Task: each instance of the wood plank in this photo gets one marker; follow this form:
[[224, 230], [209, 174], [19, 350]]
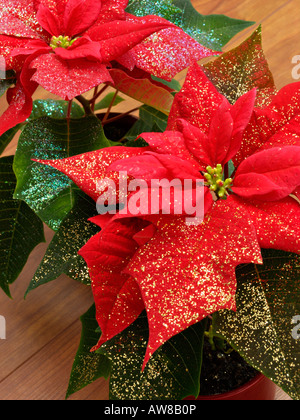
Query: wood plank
[[43, 331]]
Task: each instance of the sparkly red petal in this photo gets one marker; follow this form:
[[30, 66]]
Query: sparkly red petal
[[117, 37], [117, 296], [277, 224], [151, 165], [80, 15], [68, 79], [197, 101], [169, 143], [220, 135], [195, 141], [7, 45], [241, 113], [19, 99], [272, 121], [188, 272], [111, 10], [49, 21], [270, 175], [168, 52], [18, 18], [82, 48], [89, 168], [19, 109]]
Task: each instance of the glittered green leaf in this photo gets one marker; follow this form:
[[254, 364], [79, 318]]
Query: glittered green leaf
[[212, 31], [54, 109], [268, 299], [62, 256], [20, 229], [172, 373], [47, 191], [240, 70], [88, 366]]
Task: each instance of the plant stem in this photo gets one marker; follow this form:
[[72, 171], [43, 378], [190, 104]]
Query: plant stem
[[93, 100], [97, 94], [69, 109], [118, 117], [86, 104], [110, 107]]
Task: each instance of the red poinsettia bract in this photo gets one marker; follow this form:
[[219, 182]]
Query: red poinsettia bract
[[67, 47], [182, 273]]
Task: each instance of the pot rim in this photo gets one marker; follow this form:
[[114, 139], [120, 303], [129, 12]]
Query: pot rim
[[235, 392]]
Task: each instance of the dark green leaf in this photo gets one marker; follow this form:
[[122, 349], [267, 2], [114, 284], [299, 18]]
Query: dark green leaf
[[174, 84], [150, 120], [7, 137], [20, 229], [62, 253], [173, 372], [268, 298], [212, 31], [88, 366], [47, 191]]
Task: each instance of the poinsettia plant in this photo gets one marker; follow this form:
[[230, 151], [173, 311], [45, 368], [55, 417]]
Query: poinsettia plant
[[161, 285]]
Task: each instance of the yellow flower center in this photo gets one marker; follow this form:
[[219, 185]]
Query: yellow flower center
[[216, 183], [61, 42]]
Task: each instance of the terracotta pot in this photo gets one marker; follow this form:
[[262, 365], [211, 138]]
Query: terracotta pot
[[258, 389]]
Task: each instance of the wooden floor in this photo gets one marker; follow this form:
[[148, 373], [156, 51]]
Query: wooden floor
[[43, 331]]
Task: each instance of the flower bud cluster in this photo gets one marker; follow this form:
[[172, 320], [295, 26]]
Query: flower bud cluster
[[215, 181]]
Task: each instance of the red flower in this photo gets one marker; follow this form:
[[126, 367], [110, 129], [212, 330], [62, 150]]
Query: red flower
[[183, 273], [67, 46]]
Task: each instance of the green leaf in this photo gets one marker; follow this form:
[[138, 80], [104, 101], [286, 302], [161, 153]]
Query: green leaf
[[173, 372], [268, 298], [212, 31], [7, 137], [174, 84], [153, 116], [47, 191], [62, 256], [54, 109], [88, 366], [150, 120], [20, 229], [245, 67], [107, 100]]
